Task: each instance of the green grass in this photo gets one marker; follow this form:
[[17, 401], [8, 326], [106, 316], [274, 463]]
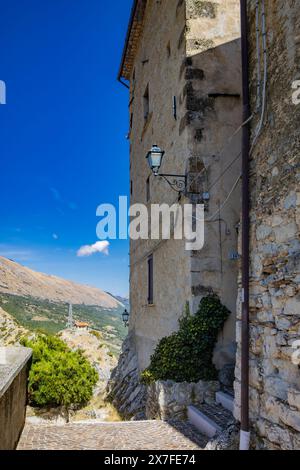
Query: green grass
[[25, 309]]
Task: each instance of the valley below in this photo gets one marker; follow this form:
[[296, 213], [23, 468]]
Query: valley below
[[41, 308]]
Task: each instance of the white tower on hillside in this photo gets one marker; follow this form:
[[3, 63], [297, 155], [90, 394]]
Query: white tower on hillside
[[70, 322]]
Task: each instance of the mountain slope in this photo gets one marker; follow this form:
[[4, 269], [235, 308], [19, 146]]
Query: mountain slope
[[10, 330], [19, 280]]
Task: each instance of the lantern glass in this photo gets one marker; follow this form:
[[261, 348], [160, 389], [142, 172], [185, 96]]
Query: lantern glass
[[154, 158], [125, 316]]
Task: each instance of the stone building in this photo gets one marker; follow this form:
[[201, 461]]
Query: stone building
[[188, 53], [182, 61], [274, 237]]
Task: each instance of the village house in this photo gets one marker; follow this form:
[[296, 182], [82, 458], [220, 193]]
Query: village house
[[182, 64], [81, 325]]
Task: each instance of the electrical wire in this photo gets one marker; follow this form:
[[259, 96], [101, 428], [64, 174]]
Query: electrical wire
[[225, 171], [211, 219], [265, 77], [258, 56], [226, 200], [261, 101], [264, 95], [220, 152]]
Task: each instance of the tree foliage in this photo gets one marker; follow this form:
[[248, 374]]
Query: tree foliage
[[58, 376], [186, 356]]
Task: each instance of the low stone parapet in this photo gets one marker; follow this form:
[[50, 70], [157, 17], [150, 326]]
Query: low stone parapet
[[14, 366], [169, 400]]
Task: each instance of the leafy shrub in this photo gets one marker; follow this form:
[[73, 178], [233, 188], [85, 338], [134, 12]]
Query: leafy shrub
[[186, 356], [58, 376]]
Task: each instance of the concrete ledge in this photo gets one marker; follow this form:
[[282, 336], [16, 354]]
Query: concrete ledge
[[202, 422], [225, 400], [14, 369], [12, 361]]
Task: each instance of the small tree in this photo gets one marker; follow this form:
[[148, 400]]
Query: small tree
[[58, 376]]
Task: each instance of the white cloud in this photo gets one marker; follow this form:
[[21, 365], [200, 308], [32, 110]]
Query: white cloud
[[55, 236], [98, 247]]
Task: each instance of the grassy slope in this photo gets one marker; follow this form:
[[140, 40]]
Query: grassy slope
[[52, 317]]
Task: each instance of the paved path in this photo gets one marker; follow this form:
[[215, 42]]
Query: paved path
[[134, 435]]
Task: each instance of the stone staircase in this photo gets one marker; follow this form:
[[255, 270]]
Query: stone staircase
[[212, 419]]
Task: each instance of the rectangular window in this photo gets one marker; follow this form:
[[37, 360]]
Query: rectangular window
[[150, 280], [146, 100], [148, 194], [169, 50]]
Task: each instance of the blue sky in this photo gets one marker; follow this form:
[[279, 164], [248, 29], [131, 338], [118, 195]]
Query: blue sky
[[63, 147]]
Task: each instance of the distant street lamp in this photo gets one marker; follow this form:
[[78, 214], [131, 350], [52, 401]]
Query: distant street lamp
[[154, 158], [125, 317]]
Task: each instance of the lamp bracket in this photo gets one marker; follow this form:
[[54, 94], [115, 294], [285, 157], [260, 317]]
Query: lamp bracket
[[177, 182]]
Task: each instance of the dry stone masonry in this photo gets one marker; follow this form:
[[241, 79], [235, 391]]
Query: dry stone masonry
[[124, 389], [275, 244], [169, 400]]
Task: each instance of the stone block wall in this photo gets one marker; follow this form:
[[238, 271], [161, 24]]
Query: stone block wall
[[212, 95], [275, 244], [169, 400]]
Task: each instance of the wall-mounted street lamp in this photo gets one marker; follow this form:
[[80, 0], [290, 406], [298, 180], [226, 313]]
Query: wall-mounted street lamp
[[125, 317], [177, 182]]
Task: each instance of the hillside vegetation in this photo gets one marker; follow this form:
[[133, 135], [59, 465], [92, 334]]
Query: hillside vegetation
[[51, 317], [71, 366], [58, 375]]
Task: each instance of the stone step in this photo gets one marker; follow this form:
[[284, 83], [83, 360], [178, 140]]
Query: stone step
[[226, 400], [209, 419]]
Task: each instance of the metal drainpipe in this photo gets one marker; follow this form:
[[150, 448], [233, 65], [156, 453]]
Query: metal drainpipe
[[245, 425]]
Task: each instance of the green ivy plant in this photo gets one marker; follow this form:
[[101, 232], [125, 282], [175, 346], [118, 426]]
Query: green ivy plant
[[58, 375], [186, 356]]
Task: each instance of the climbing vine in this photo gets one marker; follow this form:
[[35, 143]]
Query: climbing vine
[[186, 356]]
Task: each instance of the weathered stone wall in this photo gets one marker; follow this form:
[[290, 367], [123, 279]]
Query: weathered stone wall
[[275, 228], [158, 62], [169, 400], [213, 115], [188, 51], [207, 89], [124, 389], [13, 395]]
